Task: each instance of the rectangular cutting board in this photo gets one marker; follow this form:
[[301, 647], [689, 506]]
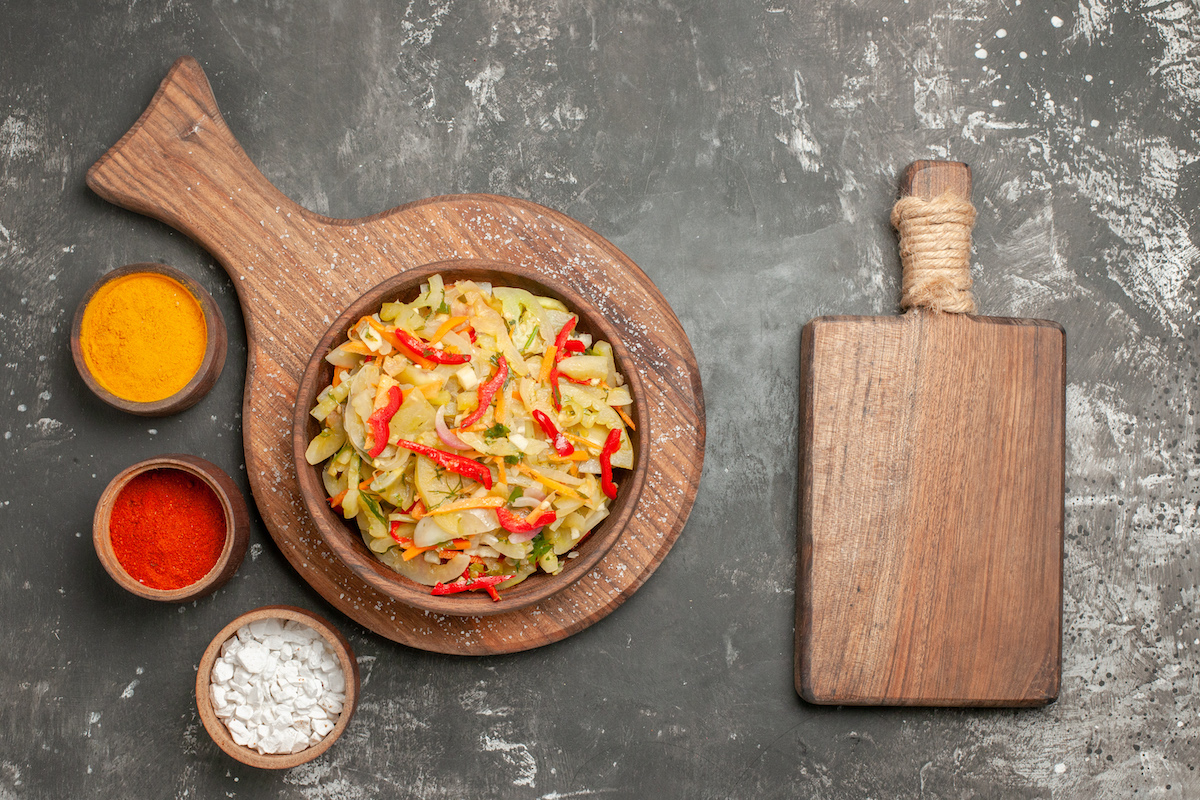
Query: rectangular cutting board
[[931, 510]]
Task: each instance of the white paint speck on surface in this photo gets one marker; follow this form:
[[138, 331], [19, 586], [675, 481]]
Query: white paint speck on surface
[[1056, 21]]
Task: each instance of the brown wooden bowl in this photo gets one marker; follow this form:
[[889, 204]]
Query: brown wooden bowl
[[237, 527], [206, 375], [346, 542], [217, 730]]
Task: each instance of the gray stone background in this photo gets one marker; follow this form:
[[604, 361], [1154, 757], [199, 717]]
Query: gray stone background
[[745, 155]]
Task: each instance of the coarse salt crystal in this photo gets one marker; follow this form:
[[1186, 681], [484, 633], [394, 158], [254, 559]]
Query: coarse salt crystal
[[277, 687]]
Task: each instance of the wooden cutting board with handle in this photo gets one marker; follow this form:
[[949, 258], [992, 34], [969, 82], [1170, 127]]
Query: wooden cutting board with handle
[[295, 271], [931, 486]]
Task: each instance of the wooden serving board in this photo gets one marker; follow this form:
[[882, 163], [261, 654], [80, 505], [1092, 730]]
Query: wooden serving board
[[931, 510], [295, 271]]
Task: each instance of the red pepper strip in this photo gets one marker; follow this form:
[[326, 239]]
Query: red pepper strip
[[380, 418], [561, 445], [611, 445], [560, 351], [514, 524], [426, 350], [574, 346], [471, 333], [560, 341], [483, 582], [487, 392], [403, 541], [467, 467]]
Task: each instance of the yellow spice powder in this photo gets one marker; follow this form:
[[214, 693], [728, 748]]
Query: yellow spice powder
[[143, 336]]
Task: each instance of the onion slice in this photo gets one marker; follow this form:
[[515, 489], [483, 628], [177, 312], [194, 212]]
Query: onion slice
[[517, 538], [444, 433]]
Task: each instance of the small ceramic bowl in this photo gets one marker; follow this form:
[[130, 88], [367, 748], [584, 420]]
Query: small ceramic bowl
[[216, 728], [237, 527], [346, 542], [200, 383]]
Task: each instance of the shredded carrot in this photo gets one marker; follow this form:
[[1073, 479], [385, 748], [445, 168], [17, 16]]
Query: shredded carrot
[[549, 483], [412, 552], [338, 372], [336, 500], [365, 485], [468, 502], [578, 455], [357, 347], [625, 417], [446, 327], [547, 365], [585, 442], [417, 511], [431, 389], [499, 406]]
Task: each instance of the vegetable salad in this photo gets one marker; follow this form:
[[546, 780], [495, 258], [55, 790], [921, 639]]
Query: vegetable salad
[[472, 435]]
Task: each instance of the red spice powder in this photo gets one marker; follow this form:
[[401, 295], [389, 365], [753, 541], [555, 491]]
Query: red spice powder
[[167, 528]]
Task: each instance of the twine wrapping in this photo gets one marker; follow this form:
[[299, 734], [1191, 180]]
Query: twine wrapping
[[935, 249]]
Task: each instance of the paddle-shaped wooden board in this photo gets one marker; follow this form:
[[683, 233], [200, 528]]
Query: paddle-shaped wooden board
[[295, 271], [931, 505]]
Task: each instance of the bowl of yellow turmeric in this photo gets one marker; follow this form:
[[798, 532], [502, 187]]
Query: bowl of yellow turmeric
[[149, 340]]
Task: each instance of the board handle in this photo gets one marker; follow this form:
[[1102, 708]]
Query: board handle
[[181, 164], [934, 217]]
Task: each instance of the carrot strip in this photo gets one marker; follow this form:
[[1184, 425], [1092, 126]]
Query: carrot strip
[[547, 365], [499, 406], [549, 483], [468, 502], [412, 552], [625, 417], [446, 327]]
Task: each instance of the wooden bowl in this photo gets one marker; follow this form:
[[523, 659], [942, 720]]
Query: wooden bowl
[[346, 542], [206, 375], [237, 527], [217, 730]]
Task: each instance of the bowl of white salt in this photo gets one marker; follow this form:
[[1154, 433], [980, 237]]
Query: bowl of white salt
[[277, 687]]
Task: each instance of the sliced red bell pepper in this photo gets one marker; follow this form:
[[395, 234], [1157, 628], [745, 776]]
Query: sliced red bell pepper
[[560, 341], [561, 445], [484, 582], [380, 418], [467, 467], [560, 351], [611, 445], [515, 524], [428, 351], [487, 392], [574, 346]]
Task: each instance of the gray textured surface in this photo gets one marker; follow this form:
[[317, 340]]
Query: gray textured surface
[[745, 156]]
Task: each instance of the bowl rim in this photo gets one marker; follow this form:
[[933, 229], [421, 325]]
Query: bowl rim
[[206, 375], [346, 543], [237, 527], [216, 728]]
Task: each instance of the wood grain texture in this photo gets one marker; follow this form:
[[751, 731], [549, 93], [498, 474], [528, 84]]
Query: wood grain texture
[[929, 179], [295, 271], [931, 510], [932, 464]]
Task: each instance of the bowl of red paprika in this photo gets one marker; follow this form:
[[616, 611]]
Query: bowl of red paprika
[[172, 528]]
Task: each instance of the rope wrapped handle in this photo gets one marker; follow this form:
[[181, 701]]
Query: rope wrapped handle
[[934, 218]]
